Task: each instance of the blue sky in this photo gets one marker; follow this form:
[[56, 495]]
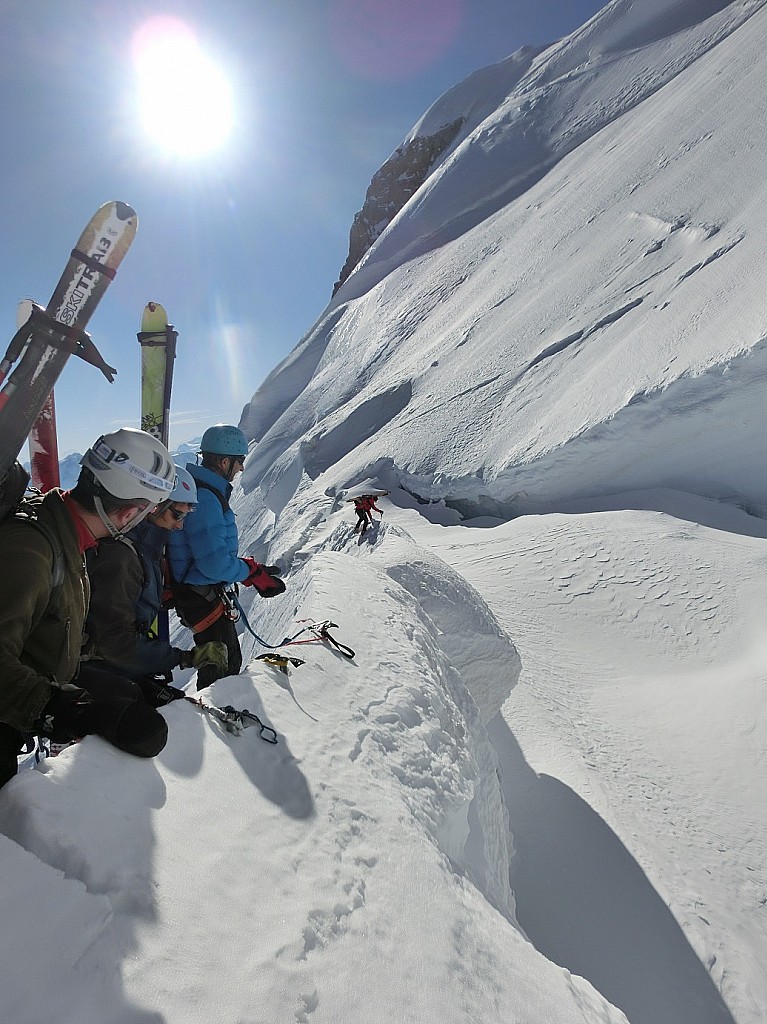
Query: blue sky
[[242, 246]]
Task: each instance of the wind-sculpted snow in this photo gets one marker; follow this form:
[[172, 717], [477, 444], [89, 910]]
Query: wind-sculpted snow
[[295, 372], [621, 57], [505, 337], [643, 649], [235, 880]]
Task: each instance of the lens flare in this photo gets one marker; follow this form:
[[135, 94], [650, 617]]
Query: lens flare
[[393, 39]]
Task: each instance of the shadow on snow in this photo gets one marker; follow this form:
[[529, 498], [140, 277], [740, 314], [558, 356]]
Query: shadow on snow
[[585, 903]]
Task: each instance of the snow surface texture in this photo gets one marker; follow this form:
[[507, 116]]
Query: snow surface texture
[[537, 793], [579, 285]]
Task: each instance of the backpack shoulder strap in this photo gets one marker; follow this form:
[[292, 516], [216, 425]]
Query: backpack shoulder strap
[[13, 503], [128, 543], [26, 512], [58, 554], [209, 487]]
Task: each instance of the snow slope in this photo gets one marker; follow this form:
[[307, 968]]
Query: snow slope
[[641, 703], [232, 880], [541, 317], [537, 791]]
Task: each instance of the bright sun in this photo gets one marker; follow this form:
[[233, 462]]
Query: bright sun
[[185, 100]]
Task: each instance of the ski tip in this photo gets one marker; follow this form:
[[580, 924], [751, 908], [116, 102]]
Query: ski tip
[[123, 211], [24, 311], [154, 318]]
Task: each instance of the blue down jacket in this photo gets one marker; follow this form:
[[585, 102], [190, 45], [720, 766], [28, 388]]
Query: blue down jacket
[[205, 551]]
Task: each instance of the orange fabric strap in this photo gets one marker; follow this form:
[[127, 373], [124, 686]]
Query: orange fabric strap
[[209, 619]]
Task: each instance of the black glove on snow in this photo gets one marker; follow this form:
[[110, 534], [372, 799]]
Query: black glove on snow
[[62, 717], [157, 693], [131, 725]]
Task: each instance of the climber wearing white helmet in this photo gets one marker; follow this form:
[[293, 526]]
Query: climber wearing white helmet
[[129, 469], [44, 593], [127, 577]]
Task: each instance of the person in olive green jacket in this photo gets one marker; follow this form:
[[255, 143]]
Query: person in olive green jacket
[[44, 594]]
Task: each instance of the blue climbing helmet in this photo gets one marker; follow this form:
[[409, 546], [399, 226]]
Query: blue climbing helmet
[[224, 439], [185, 489]]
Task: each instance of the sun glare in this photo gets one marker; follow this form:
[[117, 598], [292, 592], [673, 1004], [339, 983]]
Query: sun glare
[[185, 101]]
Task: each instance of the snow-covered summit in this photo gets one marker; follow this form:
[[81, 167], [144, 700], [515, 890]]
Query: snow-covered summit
[[442, 128]]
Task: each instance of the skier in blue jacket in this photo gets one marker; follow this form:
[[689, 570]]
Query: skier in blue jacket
[[203, 557]]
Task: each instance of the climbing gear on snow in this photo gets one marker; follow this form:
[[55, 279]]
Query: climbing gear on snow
[[235, 721], [321, 634], [279, 661], [319, 630]]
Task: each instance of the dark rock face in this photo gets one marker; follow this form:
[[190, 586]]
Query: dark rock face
[[399, 178]]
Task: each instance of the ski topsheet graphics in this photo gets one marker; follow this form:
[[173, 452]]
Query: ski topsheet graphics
[[42, 346], [158, 351], [44, 448], [43, 443]]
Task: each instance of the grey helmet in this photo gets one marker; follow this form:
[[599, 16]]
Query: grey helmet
[[131, 464], [185, 489]]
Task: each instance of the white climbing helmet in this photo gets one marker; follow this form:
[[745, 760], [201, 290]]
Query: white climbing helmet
[[131, 464], [185, 489]]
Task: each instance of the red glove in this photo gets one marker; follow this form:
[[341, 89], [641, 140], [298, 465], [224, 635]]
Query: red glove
[[263, 578]]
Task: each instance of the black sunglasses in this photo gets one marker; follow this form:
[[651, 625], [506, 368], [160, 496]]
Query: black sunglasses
[[177, 514]]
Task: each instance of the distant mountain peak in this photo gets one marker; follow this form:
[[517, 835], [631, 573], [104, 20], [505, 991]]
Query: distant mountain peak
[[446, 122]]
